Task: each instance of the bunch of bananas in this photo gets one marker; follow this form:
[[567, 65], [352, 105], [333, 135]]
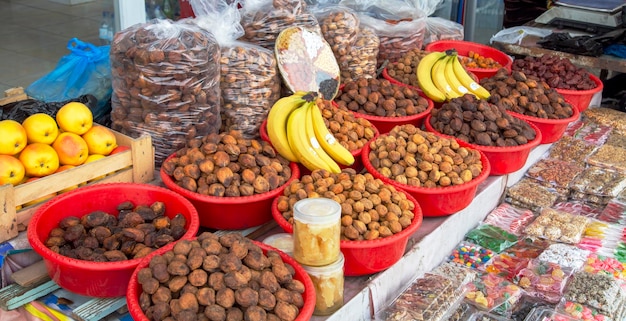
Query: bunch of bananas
[[441, 77], [297, 131]]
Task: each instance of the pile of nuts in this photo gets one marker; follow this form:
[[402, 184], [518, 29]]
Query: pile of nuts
[[133, 233], [404, 69], [219, 278], [379, 97], [416, 158], [474, 60], [251, 70], [557, 72], [361, 59], [479, 122], [370, 209], [517, 93], [262, 23], [350, 131], [166, 84], [227, 164]]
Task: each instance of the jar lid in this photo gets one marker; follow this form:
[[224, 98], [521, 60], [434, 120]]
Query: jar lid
[[281, 241], [317, 211], [325, 269]]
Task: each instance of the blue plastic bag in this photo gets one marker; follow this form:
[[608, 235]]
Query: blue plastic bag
[[86, 70]]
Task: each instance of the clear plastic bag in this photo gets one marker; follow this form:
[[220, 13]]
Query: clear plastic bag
[[597, 185], [544, 280], [528, 193], [86, 70], [458, 273], [491, 237], [263, 20], [165, 83], [339, 27], [249, 79], [442, 29], [608, 117], [578, 208], [617, 140], [506, 265], [470, 255], [571, 150], [397, 37], [558, 226], [510, 218], [494, 294], [361, 59], [554, 172], [599, 291], [565, 255], [608, 156]]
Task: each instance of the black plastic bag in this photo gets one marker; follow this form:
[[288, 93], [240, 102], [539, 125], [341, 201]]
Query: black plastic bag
[[20, 110], [580, 45]]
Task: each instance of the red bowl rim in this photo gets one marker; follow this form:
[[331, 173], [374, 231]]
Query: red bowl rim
[[395, 81], [382, 119], [433, 190], [477, 45], [492, 149], [346, 244], [228, 200], [599, 87], [132, 292], [356, 152], [47, 254], [548, 121]]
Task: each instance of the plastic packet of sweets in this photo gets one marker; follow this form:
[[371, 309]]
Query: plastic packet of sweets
[[510, 218], [491, 237]]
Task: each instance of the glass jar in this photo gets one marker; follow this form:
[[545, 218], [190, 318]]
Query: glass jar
[[328, 284], [316, 231]]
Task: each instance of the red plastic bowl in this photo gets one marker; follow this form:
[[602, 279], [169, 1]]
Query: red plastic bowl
[[394, 81], [503, 160], [367, 257], [438, 201], [464, 47], [134, 288], [551, 129], [99, 279], [581, 98], [231, 213], [357, 166], [386, 124]]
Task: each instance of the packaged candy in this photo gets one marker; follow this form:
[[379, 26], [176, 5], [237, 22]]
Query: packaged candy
[[573, 127], [567, 256], [470, 255], [597, 185], [506, 265], [557, 226], [547, 314], [578, 208], [599, 291], [494, 294], [529, 247], [554, 172], [581, 312], [483, 316], [571, 150], [544, 280], [601, 237], [510, 218], [527, 304], [491, 237], [528, 193], [461, 313], [614, 212], [593, 133], [620, 252], [599, 264], [461, 274], [608, 117], [427, 298], [609, 156]]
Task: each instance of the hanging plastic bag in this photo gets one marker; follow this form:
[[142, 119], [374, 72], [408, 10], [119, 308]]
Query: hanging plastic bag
[[399, 24], [263, 20], [442, 29], [249, 78], [361, 59], [515, 35], [85, 70], [166, 83]]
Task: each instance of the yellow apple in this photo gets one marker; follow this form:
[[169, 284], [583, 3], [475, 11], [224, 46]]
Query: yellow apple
[[71, 148], [93, 158], [11, 170], [12, 137], [39, 159], [41, 128], [75, 118], [64, 168], [100, 140]]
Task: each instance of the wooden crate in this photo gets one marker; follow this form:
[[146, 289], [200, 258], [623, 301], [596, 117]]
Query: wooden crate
[[133, 165]]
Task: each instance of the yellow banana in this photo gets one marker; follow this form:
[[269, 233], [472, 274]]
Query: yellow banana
[[339, 153], [467, 80], [277, 123], [424, 76], [298, 142], [332, 166], [439, 79], [454, 82]]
